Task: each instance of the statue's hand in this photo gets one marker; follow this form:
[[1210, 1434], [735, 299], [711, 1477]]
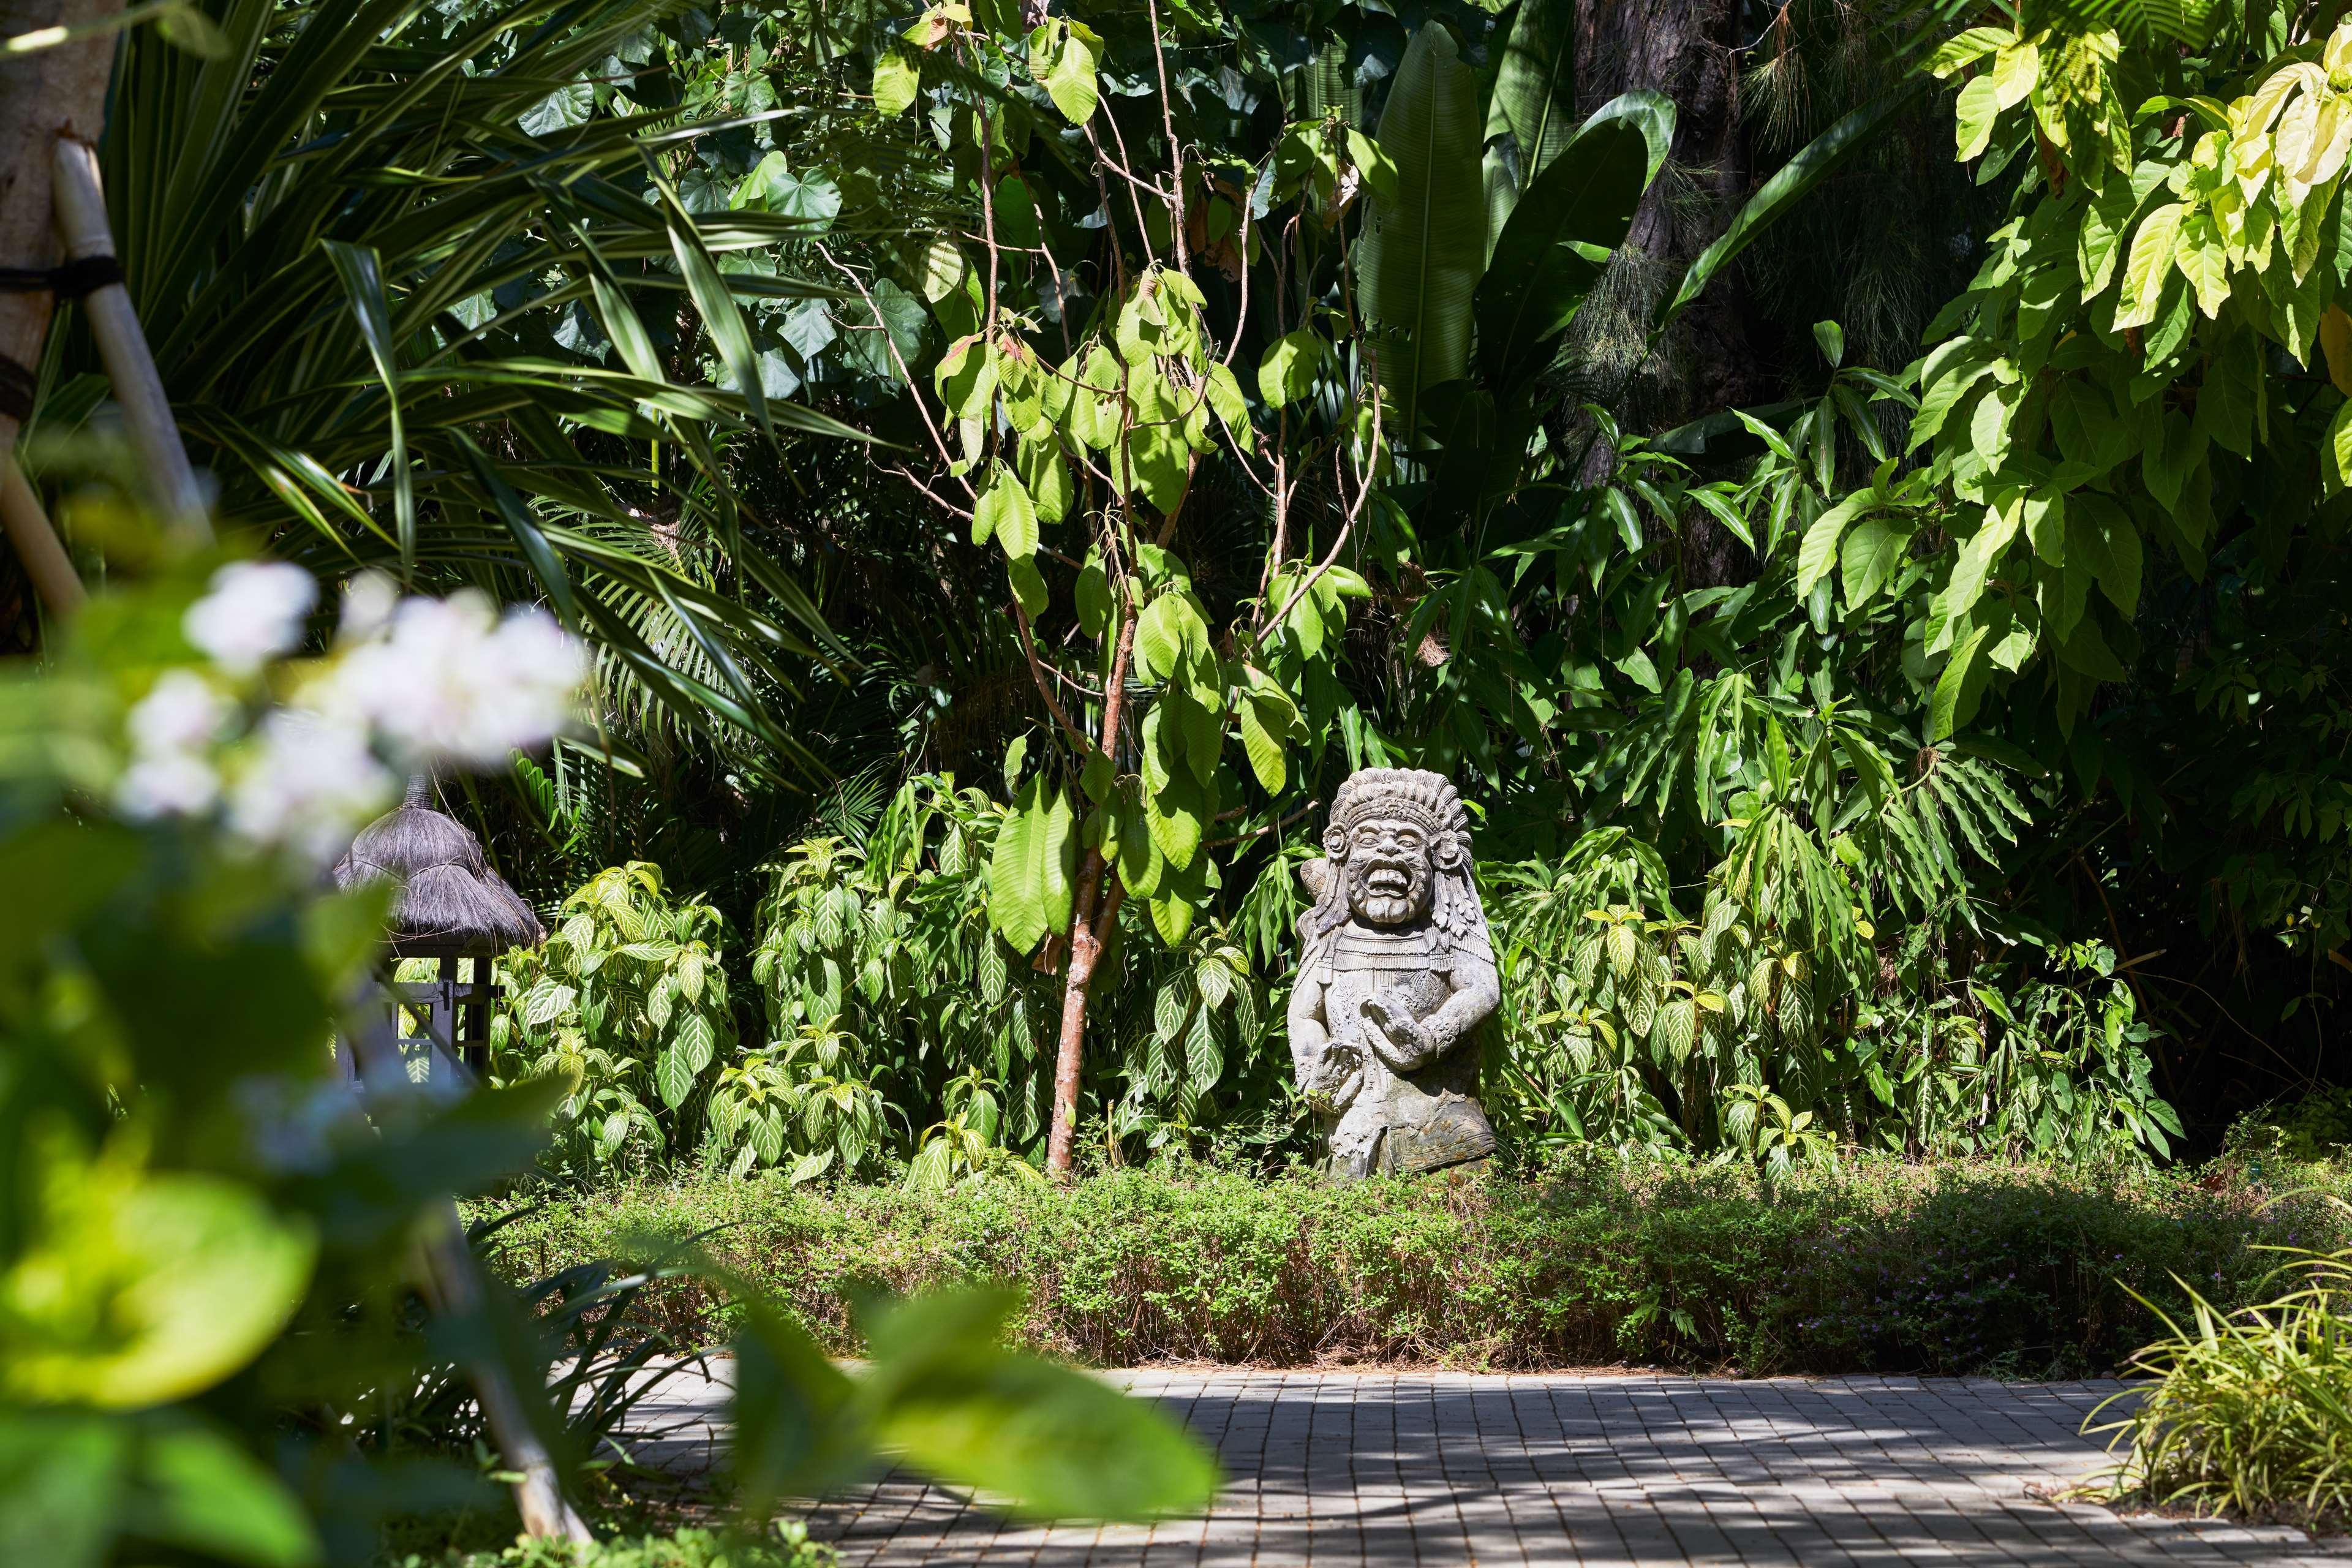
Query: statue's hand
[[1331, 1082], [1409, 1043]]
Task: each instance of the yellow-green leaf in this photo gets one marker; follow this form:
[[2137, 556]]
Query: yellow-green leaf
[[2198, 255], [147, 1288], [2015, 69], [1869, 557], [1959, 688], [1287, 371], [1006, 514], [1262, 740], [1062, 57], [1032, 868], [2336, 343], [1226, 398], [1819, 552], [2149, 263], [2339, 445], [1973, 565], [1967, 49], [1978, 109], [896, 81]]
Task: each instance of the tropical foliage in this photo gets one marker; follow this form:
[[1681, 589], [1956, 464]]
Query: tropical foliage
[[1009, 468], [627, 1006]]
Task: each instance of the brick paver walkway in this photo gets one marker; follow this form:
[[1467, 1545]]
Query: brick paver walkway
[[1430, 1469]]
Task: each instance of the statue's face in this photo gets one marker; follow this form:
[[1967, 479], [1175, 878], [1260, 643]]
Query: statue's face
[[1388, 871]]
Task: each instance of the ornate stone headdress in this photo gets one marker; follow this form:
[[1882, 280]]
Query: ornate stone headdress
[[1429, 801], [1419, 796]]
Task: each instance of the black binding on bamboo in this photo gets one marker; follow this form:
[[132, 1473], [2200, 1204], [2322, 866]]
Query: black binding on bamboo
[[68, 279]]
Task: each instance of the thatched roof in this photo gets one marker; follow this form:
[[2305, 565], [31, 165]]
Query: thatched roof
[[449, 899]]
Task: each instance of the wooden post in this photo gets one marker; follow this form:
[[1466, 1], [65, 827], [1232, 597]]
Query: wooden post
[[27, 528]]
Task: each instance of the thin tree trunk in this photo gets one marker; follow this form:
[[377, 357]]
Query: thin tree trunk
[[47, 93], [1092, 912]]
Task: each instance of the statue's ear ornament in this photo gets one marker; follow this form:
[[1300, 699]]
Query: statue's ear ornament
[[1316, 876], [1335, 841]]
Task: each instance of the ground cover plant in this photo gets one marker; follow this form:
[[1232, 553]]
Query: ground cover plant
[[1960, 1269], [2249, 1409], [690, 1547]]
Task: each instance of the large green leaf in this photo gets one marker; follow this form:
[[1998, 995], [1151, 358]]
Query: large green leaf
[[73, 1480], [147, 1289], [1788, 185], [1420, 255], [1053, 1441], [1035, 864], [361, 272], [1551, 252], [1535, 86]]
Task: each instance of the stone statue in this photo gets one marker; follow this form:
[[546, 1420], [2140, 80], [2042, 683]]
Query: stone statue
[[1395, 975]]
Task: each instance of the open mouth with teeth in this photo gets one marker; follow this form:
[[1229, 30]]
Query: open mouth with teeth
[[1386, 883]]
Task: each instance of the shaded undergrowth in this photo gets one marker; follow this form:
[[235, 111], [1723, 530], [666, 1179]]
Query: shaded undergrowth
[[2030, 1271]]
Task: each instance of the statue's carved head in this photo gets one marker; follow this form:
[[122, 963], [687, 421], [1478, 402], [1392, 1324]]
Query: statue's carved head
[[1397, 840]]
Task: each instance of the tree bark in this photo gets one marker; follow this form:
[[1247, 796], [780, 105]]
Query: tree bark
[[1688, 50], [1092, 912], [47, 93]]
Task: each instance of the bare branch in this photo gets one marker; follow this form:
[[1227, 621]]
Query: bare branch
[[907, 474], [914, 390], [1175, 148], [1037, 673], [1263, 831]]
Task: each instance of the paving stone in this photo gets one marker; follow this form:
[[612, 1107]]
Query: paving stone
[[1601, 1470]]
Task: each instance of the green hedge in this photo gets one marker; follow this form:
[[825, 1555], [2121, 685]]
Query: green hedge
[[1881, 1267]]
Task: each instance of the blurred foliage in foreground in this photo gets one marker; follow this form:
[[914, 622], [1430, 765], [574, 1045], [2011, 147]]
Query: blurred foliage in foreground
[[213, 1342]]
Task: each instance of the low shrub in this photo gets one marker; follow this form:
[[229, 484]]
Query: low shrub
[[1880, 1266]]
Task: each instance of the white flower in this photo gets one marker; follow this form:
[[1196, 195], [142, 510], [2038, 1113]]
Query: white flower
[[253, 613], [171, 730], [542, 668], [312, 784], [369, 601], [176, 784], [450, 682], [181, 712]]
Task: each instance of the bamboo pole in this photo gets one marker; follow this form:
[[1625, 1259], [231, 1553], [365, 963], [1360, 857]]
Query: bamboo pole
[[45, 559], [114, 323]]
